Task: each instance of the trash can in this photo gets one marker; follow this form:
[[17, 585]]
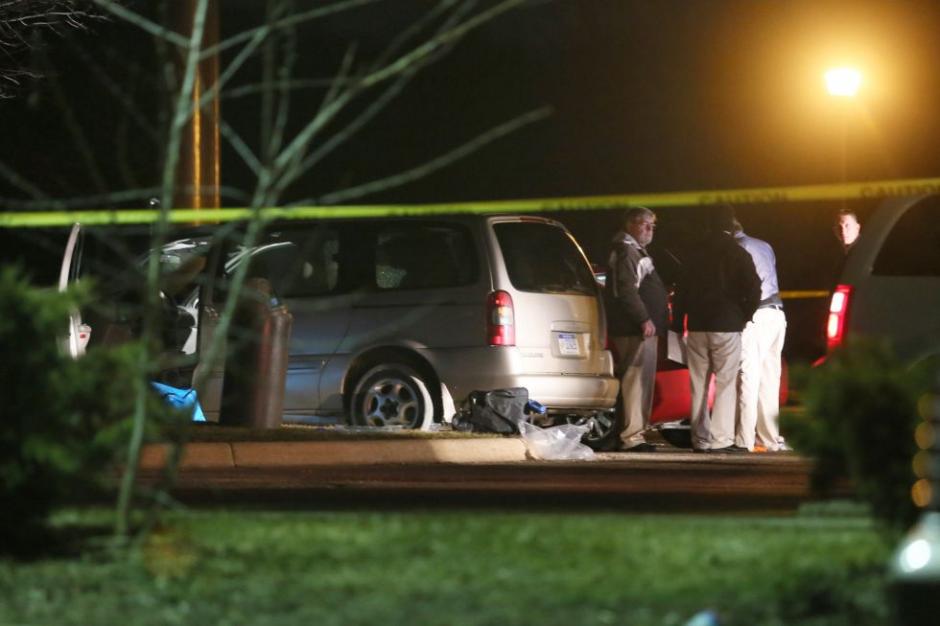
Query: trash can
[[256, 359]]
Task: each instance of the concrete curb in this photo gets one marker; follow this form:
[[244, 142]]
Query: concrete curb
[[202, 455]]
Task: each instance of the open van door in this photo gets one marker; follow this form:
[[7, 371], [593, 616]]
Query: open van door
[[78, 332]]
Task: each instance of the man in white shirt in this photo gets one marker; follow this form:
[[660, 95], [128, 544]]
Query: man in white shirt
[[761, 348]]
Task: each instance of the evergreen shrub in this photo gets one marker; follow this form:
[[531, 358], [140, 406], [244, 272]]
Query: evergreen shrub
[[858, 422]]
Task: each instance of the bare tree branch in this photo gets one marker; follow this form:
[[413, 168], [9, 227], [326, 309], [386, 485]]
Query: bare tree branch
[[286, 85], [343, 135], [434, 164], [239, 145], [150, 323], [415, 29], [138, 20], [269, 92], [21, 183], [20, 20], [401, 65], [118, 92], [394, 89], [138, 195], [284, 70], [435, 43], [286, 22], [283, 176], [76, 130]]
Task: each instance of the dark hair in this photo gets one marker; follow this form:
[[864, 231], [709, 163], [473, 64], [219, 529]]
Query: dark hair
[[847, 212], [721, 218]]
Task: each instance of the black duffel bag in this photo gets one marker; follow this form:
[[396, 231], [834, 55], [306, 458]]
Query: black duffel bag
[[494, 411]]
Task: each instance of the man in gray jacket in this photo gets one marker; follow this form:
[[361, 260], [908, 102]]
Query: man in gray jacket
[[636, 303]]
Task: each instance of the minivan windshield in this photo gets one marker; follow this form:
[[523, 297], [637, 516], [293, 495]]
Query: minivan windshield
[[543, 258]]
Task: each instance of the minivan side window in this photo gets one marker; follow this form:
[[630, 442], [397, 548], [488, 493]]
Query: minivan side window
[[411, 255], [913, 245], [544, 258]]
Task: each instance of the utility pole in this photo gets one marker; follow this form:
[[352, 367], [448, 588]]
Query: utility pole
[[197, 172]]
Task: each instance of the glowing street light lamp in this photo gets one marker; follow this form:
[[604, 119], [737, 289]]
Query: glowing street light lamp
[[843, 82]]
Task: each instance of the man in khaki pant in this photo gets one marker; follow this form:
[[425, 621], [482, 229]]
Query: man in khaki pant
[[761, 348], [719, 291], [636, 303]]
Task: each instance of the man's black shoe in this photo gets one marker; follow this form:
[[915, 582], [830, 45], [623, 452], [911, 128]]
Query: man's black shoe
[[640, 447], [730, 450]]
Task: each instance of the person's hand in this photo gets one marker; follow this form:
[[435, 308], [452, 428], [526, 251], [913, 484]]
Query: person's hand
[[649, 329]]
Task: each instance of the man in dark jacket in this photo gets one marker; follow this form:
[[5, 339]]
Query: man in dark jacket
[[636, 314], [719, 292]]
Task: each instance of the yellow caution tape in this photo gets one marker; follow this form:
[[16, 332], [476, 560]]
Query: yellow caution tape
[[796, 295], [757, 195]]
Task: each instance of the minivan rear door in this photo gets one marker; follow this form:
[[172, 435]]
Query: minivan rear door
[[559, 320]]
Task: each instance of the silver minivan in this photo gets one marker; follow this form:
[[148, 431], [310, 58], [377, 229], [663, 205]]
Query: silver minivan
[[890, 286], [397, 320]]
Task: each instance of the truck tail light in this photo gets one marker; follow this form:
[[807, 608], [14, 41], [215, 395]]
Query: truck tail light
[[838, 316], [500, 319]]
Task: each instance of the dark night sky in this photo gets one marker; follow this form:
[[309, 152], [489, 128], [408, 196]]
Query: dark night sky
[[662, 96], [691, 94], [647, 96], [674, 95], [657, 95]]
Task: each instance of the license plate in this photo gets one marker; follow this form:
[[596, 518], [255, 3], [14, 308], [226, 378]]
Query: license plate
[[568, 344]]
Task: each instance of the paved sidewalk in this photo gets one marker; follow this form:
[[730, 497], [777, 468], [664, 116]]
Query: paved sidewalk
[[258, 454], [408, 451]]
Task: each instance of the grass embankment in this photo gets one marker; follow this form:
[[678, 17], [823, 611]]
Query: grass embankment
[[460, 568]]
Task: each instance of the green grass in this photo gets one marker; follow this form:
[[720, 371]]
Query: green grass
[[462, 567]]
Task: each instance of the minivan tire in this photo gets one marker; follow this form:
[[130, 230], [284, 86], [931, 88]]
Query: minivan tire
[[392, 394]]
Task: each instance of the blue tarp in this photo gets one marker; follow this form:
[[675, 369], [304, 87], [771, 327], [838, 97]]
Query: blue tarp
[[181, 399]]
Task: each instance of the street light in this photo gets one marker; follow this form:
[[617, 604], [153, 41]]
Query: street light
[[843, 82]]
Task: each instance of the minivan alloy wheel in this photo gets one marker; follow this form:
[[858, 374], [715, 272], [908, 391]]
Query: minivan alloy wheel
[[392, 395]]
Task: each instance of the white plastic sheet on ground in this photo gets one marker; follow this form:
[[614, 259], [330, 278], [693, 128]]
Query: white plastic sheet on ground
[[557, 443]]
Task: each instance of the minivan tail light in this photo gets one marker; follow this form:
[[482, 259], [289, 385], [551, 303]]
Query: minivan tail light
[[500, 319], [838, 316]]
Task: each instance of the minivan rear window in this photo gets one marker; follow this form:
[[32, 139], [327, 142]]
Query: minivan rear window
[[544, 258]]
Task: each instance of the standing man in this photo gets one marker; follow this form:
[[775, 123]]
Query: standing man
[[636, 303], [761, 348], [847, 228], [719, 292]]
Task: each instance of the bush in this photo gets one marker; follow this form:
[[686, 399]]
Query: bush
[[64, 422], [859, 421]]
